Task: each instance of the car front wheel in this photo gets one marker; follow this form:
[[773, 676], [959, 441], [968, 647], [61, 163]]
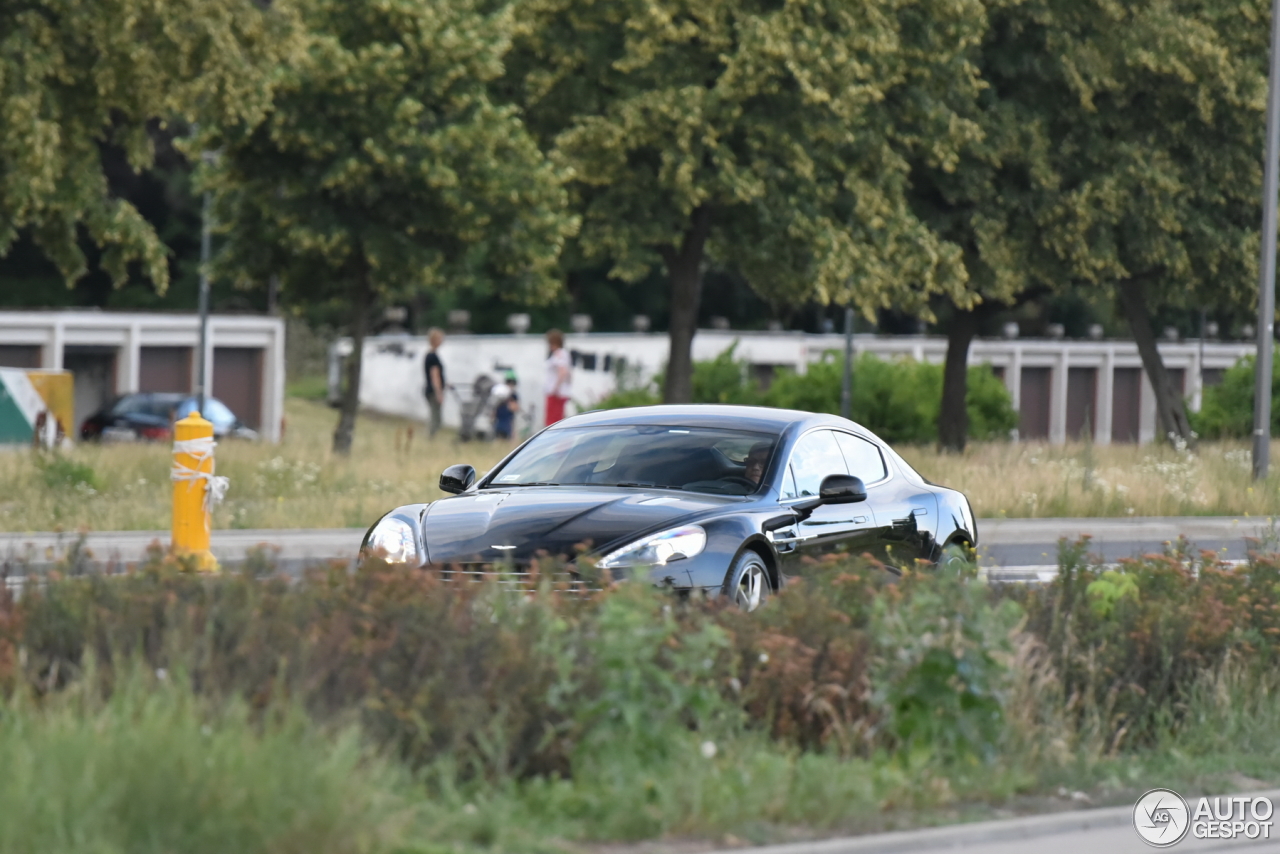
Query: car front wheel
[[749, 581]]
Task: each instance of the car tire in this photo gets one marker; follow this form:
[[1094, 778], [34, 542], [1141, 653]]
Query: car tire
[[749, 581], [955, 556]]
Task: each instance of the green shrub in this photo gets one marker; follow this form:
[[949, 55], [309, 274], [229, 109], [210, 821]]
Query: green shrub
[[1129, 644], [154, 769], [723, 379], [61, 472], [1226, 410], [897, 399], [589, 700], [497, 685]]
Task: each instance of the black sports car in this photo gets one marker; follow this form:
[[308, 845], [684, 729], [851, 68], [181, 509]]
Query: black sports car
[[723, 499]]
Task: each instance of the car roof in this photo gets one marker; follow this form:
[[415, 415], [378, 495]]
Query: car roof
[[153, 395], [762, 419]]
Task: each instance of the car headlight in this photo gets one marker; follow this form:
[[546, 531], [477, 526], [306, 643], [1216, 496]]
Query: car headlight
[[391, 540], [658, 549]]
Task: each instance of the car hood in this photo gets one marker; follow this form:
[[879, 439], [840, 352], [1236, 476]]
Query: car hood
[[554, 520]]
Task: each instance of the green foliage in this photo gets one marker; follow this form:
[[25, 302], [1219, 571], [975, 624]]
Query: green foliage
[[945, 690], [1226, 409], [551, 684], [59, 472], [1130, 643], [77, 76], [1109, 589], [1100, 104], [743, 110], [897, 399], [724, 379], [314, 387], [154, 768], [383, 165], [620, 714]]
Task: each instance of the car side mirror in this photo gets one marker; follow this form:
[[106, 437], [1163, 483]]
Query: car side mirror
[[835, 489], [457, 478], [842, 489]]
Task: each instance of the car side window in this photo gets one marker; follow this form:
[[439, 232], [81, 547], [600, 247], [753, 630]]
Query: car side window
[[864, 458], [788, 483], [816, 455]]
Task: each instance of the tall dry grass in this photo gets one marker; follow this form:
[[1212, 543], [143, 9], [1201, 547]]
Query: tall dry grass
[[298, 483], [301, 484], [1038, 480]]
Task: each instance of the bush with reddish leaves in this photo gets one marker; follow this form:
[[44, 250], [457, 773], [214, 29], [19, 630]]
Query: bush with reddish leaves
[[932, 668], [1129, 644]]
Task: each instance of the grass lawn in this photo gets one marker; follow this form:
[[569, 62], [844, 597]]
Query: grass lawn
[[298, 483], [301, 484]]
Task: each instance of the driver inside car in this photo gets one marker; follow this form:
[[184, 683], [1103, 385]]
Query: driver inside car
[[753, 465]]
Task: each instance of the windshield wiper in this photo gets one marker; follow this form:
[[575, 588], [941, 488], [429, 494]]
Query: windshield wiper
[[651, 485], [529, 483]]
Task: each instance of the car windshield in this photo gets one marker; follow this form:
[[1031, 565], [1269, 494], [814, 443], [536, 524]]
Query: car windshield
[[711, 460], [157, 405]]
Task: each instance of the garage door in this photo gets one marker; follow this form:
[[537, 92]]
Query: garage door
[[1033, 417], [1126, 403], [237, 382], [19, 356], [1082, 389], [165, 369]]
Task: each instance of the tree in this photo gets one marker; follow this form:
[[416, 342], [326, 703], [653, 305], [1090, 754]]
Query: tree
[[1153, 112], [383, 168], [79, 76], [766, 137], [986, 205]]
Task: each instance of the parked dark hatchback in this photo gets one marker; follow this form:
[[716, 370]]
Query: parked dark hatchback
[[150, 416], [726, 499]]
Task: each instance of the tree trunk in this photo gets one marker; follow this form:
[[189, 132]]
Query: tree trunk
[[1171, 411], [953, 417], [684, 266], [362, 297]]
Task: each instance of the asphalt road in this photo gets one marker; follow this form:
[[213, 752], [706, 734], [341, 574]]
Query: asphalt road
[[1029, 542], [1093, 831], [1020, 545]]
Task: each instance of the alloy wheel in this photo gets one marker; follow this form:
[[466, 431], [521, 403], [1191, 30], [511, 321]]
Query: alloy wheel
[[753, 585]]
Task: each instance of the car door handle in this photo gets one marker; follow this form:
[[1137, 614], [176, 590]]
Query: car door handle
[[856, 520], [920, 511]]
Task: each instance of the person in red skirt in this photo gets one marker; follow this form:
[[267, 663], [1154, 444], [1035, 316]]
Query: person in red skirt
[[558, 383]]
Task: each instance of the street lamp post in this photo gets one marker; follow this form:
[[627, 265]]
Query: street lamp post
[[205, 235], [1267, 283], [846, 385]]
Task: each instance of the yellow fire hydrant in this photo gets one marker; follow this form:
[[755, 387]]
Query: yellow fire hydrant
[[196, 489]]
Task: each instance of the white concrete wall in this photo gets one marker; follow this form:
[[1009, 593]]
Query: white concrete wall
[[392, 378], [128, 332]]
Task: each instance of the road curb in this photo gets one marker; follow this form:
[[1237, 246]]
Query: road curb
[[961, 836], [1101, 529]]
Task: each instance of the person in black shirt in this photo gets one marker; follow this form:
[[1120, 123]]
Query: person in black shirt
[[434, 388]]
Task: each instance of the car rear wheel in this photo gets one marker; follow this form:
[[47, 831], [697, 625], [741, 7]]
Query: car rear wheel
[[749, 581]]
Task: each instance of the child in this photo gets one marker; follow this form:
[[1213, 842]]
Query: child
[[504, 416]]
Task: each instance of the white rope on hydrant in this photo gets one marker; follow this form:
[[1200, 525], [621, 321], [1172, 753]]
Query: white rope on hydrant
[[201, 449]]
